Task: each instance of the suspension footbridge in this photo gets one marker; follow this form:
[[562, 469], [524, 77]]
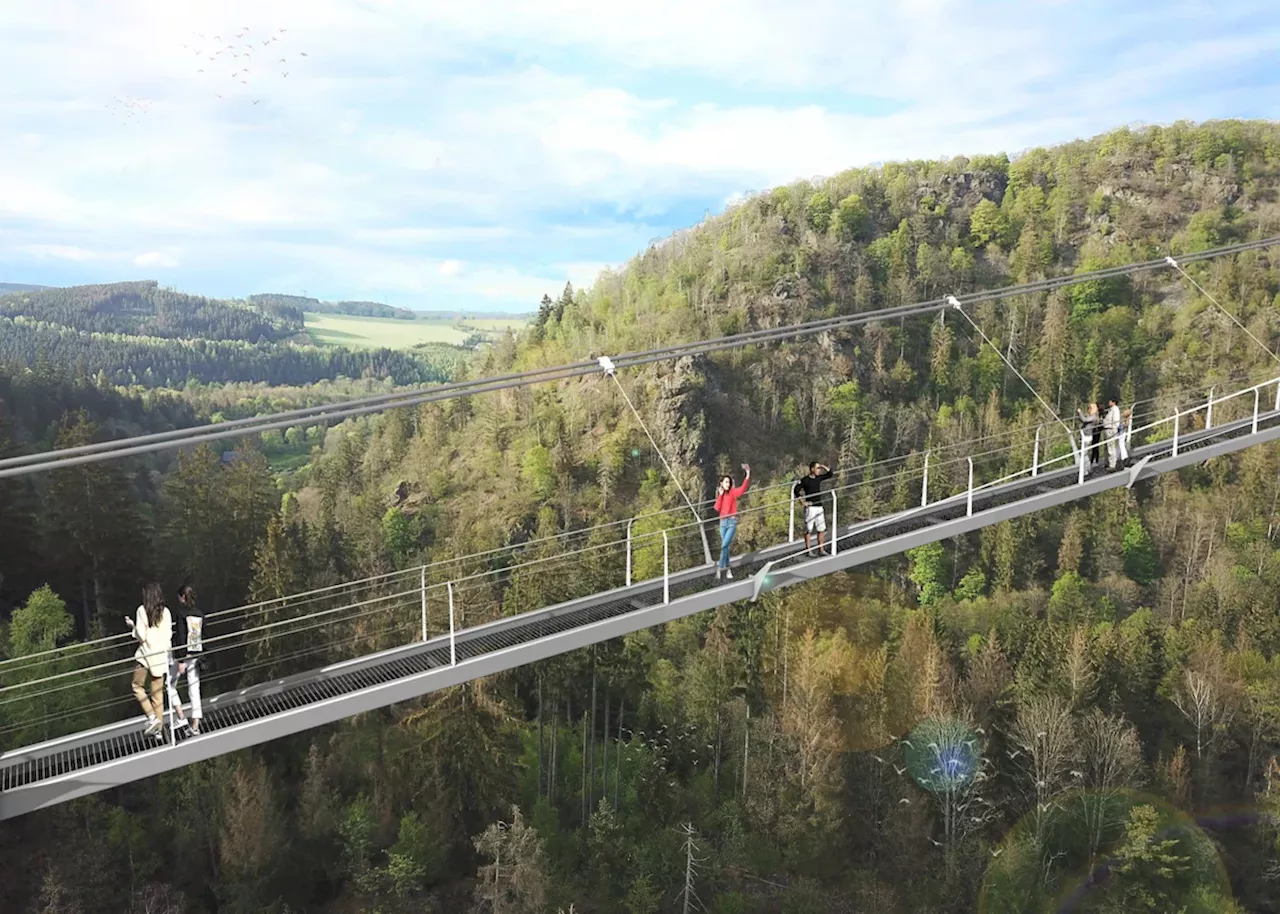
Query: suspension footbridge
[[327, 654]]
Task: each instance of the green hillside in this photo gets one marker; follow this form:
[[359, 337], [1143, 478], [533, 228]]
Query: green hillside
[[1091, 617], [1107, 673]]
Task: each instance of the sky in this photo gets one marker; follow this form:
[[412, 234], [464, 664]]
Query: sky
[[476, 154]]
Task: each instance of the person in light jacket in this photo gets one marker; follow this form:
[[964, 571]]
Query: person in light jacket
[[153, 628], [1126, 429], [190, 650], [1089, 442], [1111, 433]]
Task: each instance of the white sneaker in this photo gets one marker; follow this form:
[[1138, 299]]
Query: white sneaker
[[728, 574], [154, 727]]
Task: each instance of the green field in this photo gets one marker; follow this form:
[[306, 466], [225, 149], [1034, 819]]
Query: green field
[[379, 332]]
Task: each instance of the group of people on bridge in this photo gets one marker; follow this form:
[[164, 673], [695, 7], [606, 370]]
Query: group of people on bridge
[[164, 660], [1113, 430], [807, 489]]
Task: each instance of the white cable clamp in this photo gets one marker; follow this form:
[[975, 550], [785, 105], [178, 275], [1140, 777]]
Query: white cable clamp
[[607, 364], [953, 302], [1171, 262]]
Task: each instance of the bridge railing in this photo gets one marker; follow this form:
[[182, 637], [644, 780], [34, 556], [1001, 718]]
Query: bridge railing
[[68, 689]]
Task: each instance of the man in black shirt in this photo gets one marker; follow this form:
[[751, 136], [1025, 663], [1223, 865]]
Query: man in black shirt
[[809, 488]]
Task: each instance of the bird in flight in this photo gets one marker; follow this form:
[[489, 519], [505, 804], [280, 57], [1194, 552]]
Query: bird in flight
[[256, 100], [199, 71], [284, 74], [303, 53], [282, 60]]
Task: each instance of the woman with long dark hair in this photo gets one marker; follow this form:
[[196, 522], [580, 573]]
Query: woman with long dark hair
[[153, 628], [727, 496]]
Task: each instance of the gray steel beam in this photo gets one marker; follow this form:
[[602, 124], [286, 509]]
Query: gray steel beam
[[58, 789]]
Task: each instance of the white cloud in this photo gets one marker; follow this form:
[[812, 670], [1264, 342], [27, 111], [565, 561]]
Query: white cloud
[[582, 275], [58, 252], [397, 143], [155, 259]]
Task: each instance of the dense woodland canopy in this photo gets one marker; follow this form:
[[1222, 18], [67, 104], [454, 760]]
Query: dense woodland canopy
[[145, 309], [315, 305], [136, 333], [1107, 671]]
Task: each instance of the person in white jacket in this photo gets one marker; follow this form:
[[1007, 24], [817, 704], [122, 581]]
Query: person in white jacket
[[1111, 432], [153, 628], [191, 648]]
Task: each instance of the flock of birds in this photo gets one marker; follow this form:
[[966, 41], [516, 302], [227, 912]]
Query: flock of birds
[[244, 52], [128, 108], [212, 54]]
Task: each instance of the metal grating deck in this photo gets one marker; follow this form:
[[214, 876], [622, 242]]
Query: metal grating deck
[[82, 755]]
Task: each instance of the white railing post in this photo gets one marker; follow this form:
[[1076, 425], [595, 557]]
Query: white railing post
[[835, 523], [924, 489], [791, 526], [629, 551], [1257, 395], [1208, 414], [453, 650], [1084, 456], [1035, 455], [666, 571], [424, 602], [969, 507], [1177, 421], [1278, 395]]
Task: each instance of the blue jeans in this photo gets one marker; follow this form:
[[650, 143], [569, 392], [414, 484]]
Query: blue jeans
[[728, 527]]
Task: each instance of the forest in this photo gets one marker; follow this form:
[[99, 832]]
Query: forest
[[358, 308], [1107, 672], [137, 333], [145, 309]]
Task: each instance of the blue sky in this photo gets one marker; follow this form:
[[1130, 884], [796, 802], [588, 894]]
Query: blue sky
[[478, 154]]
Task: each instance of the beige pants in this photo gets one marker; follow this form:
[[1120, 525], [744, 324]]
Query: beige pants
[[152, 706]]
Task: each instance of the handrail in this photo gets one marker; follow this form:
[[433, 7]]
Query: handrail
[[419, 593]]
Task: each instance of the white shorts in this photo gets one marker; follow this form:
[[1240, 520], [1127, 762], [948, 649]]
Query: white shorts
[[815, 520]]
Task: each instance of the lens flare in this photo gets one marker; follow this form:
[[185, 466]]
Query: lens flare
[[942, 754]]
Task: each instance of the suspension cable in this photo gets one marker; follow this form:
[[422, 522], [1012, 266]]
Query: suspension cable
[[1070, 434], [1173, 263], [126, 447], [607, 365]]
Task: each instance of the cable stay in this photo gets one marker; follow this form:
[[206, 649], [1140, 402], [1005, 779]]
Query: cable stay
[[954, 302], [1173, 263], [606, 364]]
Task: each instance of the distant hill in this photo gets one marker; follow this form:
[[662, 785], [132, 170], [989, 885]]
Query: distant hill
[[144, 308], [316, 306], [20, 287], [378, 309]]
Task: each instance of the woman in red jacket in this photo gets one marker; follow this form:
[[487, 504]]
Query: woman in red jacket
[[727, 507]]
